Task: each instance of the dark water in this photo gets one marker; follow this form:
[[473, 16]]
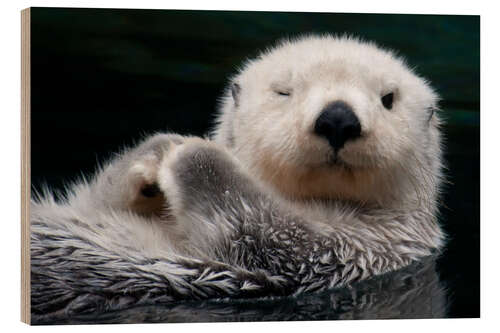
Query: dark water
[[102, 79]]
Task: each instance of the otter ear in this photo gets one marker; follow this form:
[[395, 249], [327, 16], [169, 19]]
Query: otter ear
[[431, 113], [235, 92]]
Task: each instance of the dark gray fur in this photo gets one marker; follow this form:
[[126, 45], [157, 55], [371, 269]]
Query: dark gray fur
[[414, 292], [261, 249]]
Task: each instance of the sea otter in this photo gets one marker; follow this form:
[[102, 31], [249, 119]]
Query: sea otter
[[324, 168]]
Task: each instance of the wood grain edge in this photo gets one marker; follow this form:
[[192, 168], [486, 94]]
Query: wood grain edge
[[25, 164]]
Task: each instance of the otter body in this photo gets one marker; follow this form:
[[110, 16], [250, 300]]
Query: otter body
[[324, 168]]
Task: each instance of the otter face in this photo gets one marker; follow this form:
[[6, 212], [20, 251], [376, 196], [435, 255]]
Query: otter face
[[334, 118]]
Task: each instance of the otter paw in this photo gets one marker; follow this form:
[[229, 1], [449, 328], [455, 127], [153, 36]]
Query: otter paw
[[143, 194], [199, 174]]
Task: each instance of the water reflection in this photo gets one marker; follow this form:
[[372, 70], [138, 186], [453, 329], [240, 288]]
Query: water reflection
[[413, 292]]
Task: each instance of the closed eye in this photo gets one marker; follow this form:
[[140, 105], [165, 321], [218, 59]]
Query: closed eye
[[281, 89], [283, 93]]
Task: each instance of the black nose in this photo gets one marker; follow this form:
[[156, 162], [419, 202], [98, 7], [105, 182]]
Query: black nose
[[337, 123]]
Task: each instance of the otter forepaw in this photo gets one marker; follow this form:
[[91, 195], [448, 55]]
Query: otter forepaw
[[132, 182], [200, 174]]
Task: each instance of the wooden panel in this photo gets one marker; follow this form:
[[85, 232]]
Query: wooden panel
[[25, 164]]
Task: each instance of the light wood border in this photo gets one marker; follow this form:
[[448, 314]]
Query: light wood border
[[25, 164]]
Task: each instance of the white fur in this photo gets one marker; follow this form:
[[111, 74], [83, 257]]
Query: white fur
[[397, 162]]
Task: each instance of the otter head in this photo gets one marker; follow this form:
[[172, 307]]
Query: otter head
[[335, 118]]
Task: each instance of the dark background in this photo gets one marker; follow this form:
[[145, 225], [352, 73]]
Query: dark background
[[102, 79]]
